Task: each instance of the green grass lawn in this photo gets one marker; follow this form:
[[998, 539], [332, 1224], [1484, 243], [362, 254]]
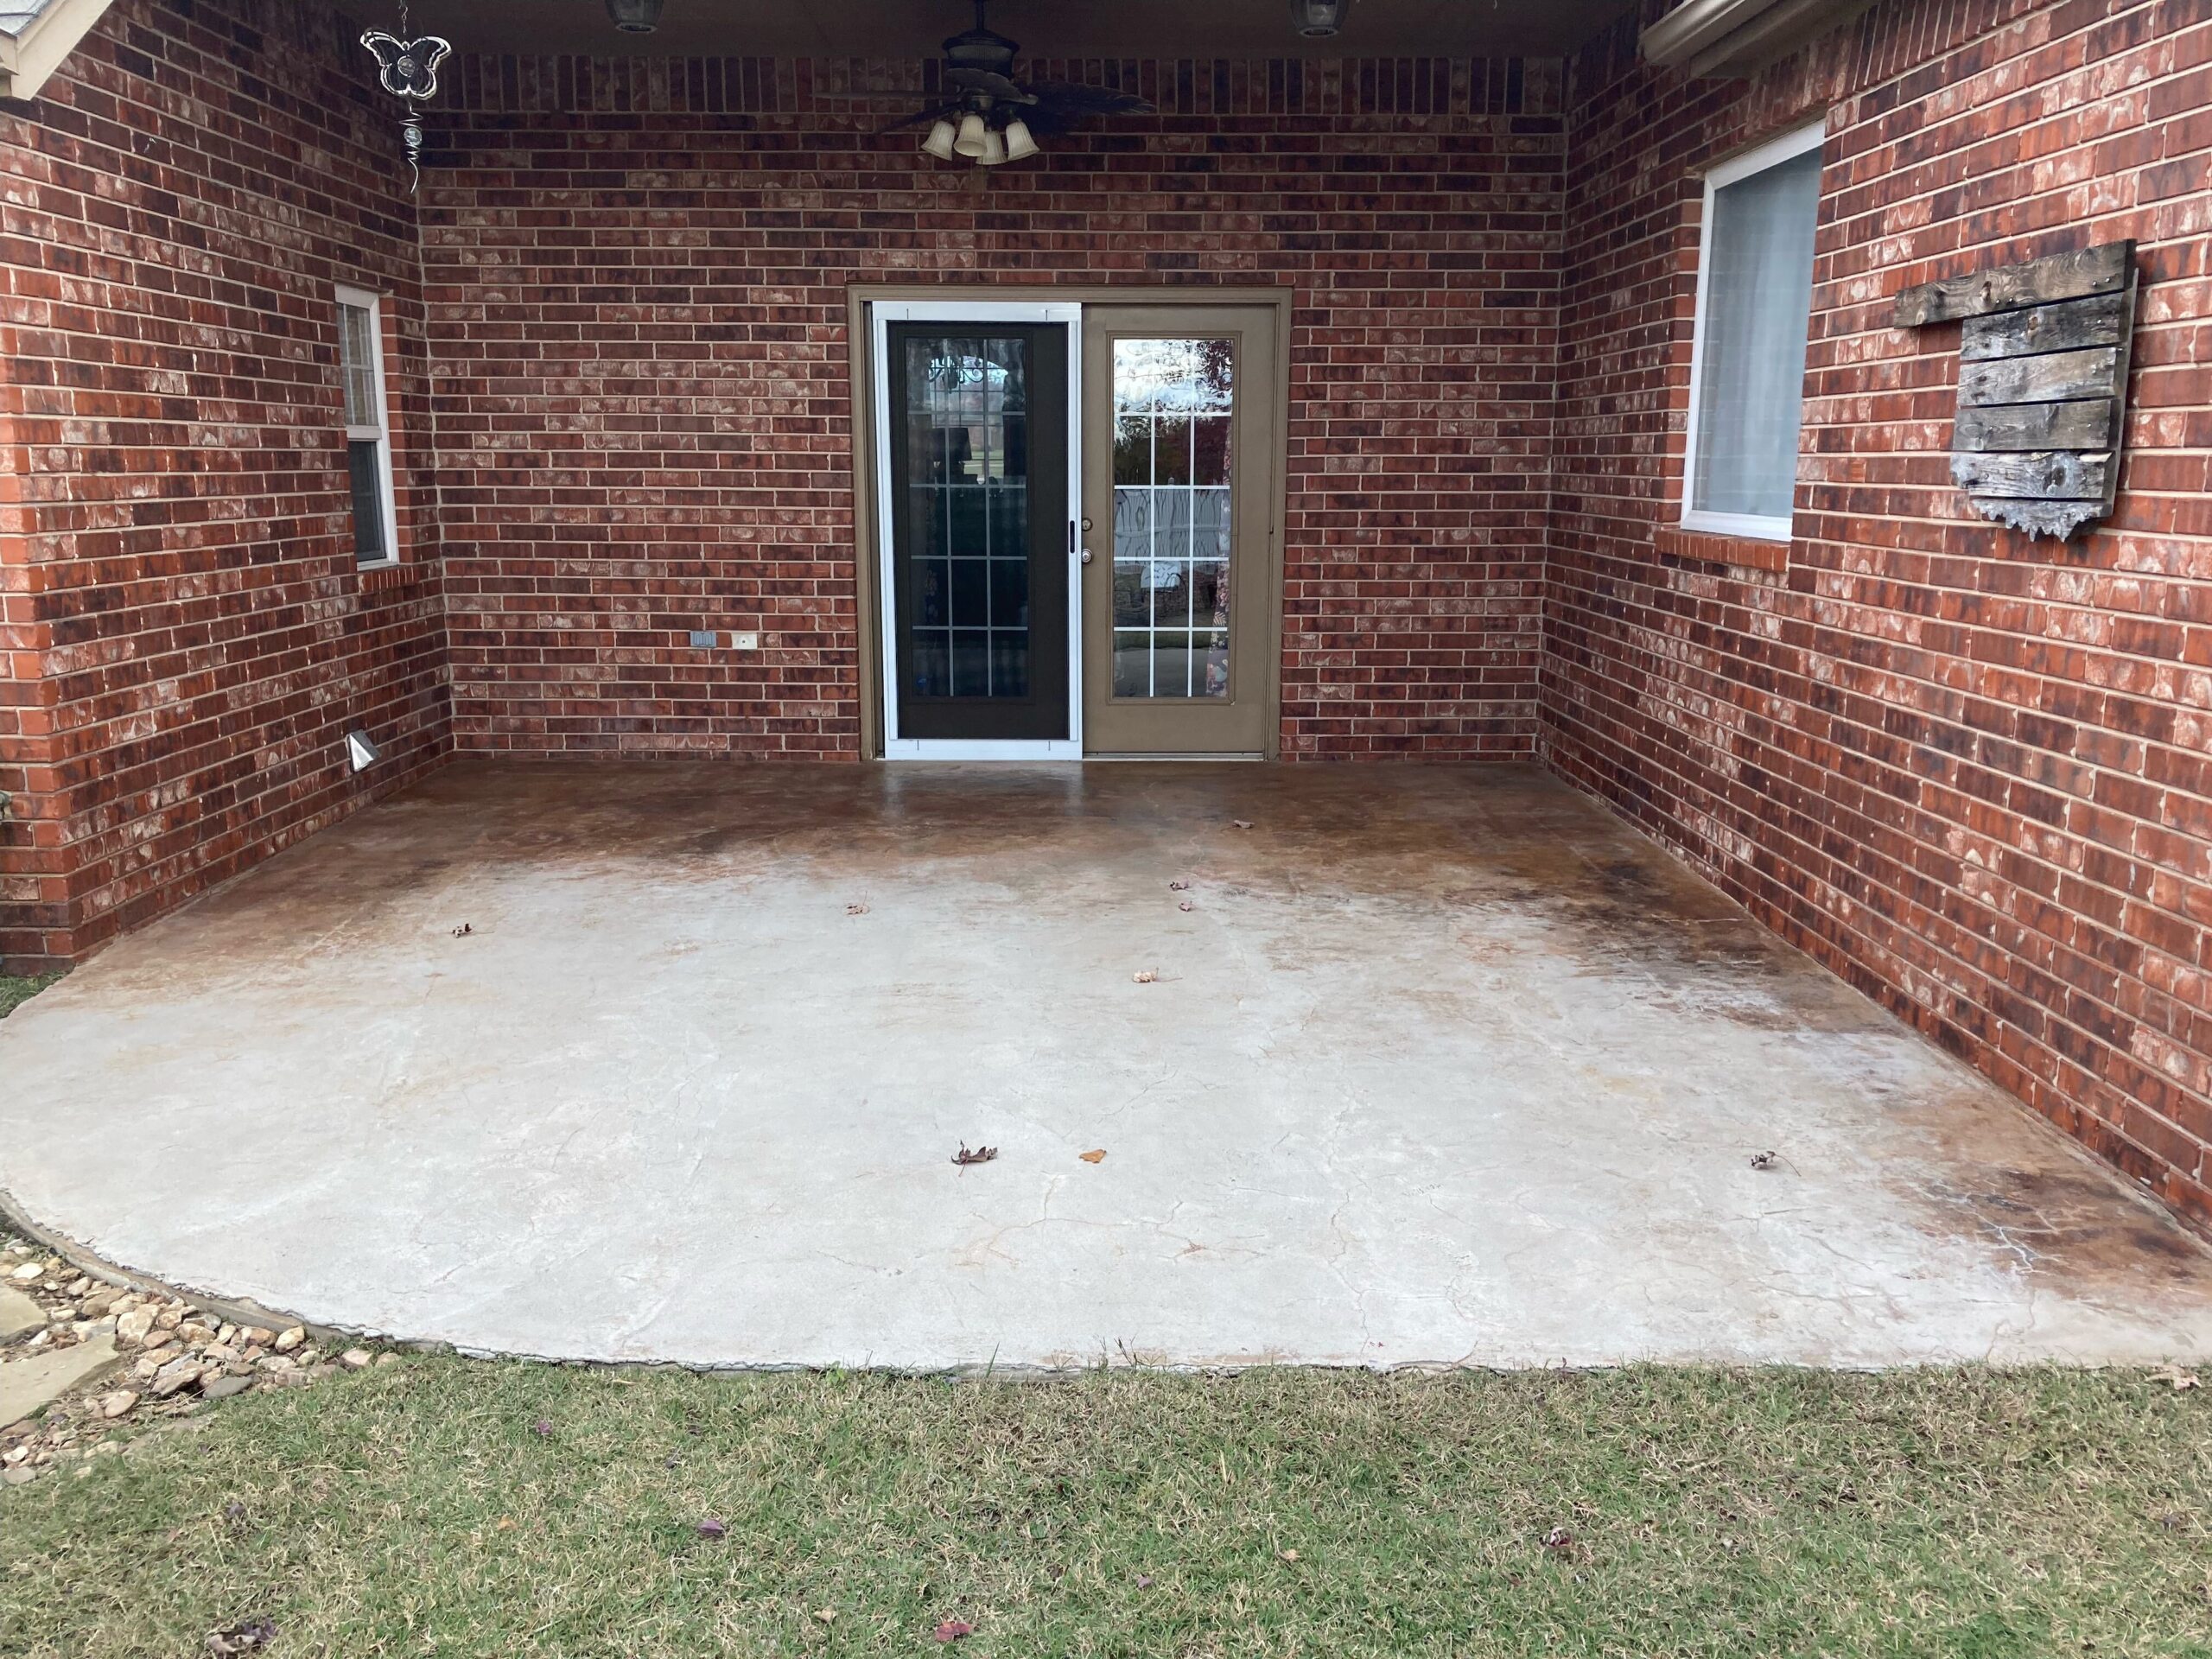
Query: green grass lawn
[[15, 991], [447, 1507]]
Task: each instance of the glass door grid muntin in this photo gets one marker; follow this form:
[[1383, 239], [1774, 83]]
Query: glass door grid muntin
[[1173, 421], [967, 514]]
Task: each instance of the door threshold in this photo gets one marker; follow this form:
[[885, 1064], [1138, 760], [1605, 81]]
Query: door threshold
[[1138, 755], [979, 749]]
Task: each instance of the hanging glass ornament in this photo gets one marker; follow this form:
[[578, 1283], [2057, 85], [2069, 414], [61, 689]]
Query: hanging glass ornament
[[408, 68]]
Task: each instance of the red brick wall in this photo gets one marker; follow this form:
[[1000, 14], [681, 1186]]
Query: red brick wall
[[1967, 770], [186, 637], [637, 269]]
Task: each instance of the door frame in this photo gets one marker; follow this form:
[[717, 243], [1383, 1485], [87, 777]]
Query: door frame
[[869, 306], [896, 748]]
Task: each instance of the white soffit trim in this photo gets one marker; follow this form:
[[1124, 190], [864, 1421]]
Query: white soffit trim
[[37, 35], [1737, 37]]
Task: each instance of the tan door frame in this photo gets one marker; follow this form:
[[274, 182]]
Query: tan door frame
[[867, 550]]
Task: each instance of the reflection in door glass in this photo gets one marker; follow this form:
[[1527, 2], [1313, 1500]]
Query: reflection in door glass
[[968, 517], [1172, 409]]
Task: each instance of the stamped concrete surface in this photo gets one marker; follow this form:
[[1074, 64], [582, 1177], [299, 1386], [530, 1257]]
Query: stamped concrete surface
[[1440, 1066]]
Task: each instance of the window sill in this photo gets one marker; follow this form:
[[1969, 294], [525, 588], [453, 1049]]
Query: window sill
[[1710, 547], [389, 576]]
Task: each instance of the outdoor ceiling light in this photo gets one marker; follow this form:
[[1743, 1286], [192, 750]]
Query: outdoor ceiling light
[[635, 17], [940, 142], [973, 136], [1019, 146], [362, 750], [994, 150], [1317, 20]]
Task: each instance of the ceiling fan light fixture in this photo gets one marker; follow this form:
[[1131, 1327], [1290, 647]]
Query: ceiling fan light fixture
[[940, 142], [973, 134], [635, 17], [1318, 19], [1020, 146], [994, 150]]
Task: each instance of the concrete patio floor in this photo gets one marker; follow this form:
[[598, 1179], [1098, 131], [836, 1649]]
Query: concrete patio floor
[[1442, 1066]]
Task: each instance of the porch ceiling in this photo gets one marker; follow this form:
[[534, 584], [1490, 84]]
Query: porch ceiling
[[1046, 29]]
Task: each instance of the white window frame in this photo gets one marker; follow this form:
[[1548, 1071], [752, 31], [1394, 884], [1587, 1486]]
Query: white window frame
[[380, 434], [1773, 153], [896, 748]]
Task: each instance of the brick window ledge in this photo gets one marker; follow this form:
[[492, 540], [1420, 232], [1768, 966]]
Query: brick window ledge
[[391, 578], [1747, 552]]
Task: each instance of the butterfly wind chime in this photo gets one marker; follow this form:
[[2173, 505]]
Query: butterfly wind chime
[[408, 68]]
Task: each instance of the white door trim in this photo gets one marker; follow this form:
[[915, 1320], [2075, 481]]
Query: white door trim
[[882, 314]]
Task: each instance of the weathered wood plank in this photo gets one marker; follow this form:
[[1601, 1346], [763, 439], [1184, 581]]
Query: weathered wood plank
[[2068, 326], [2042, 475], [2085, 425], [2052, 377], [2059, 518], [2101, 270]]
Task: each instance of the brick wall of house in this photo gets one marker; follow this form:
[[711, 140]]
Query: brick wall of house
[[1967, 770], [185, 636], [636, 272]]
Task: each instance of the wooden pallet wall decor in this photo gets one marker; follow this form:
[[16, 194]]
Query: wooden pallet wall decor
[[2043, 383]]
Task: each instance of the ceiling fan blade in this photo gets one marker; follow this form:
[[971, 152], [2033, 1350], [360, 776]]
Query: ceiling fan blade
[[935, 112], [1078, 99]]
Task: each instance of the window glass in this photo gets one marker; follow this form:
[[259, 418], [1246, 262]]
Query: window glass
[[357, 343], [368, 445], [1757, 304]]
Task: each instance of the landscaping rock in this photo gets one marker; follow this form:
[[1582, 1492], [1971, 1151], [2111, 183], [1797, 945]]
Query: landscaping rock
[[31, 1383], [18, 1312], [356, 1359], [133, 1328], [114, 1405], [222, 1388], [287, 1340], [177, 1375]]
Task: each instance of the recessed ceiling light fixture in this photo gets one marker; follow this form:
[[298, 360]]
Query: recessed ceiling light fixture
[[635, 17], [1318, 19]]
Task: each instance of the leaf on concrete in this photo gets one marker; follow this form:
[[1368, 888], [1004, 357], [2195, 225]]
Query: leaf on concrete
[[1763, 1160], [1179, 887], [855, 909], [968, 1155], [1095, 1155], [1186, 904], [463, 931], [1146, 975], [1241, 823]]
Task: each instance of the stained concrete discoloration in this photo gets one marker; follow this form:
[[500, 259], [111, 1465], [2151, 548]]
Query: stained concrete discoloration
[[1443, 1066]]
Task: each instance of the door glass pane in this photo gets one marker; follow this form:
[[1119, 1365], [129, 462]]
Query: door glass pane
[[967, 533], [1172, 516]]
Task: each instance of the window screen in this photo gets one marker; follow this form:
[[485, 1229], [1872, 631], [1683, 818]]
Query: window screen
[[1756, 303]]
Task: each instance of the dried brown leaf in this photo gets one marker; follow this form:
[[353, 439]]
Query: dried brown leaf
[[1096, 1155], [968, 1155]]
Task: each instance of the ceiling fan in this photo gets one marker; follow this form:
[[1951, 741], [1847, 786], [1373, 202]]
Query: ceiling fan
[[985, 114]]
